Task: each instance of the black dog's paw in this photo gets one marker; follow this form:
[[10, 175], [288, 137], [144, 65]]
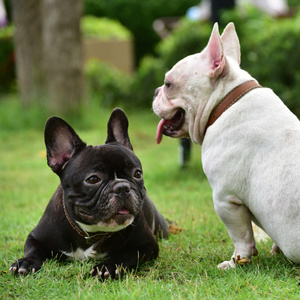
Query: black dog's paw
[[106, 271], [25, 266]]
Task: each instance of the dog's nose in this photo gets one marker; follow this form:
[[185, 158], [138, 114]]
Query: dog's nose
[[121, 188], [156, 93]]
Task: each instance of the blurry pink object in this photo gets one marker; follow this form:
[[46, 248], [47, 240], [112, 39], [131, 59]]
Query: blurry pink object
[[3, 18]]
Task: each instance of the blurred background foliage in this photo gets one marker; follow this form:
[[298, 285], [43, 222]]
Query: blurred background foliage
[[270, 49], [138, 17], [104, 28]]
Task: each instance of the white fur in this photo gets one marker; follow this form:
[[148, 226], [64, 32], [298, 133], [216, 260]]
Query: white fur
[[251, 154], [84, 254]]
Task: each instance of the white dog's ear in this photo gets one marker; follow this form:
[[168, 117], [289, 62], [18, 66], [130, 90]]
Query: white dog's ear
[[231, 43], [214, 53]]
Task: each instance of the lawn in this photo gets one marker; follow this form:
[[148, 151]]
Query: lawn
[[187, 265]]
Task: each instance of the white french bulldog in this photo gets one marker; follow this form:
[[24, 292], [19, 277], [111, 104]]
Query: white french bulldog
[[250, 154]]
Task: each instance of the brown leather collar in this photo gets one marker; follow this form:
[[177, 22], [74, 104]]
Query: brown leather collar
[[90, 239], [232, 97]]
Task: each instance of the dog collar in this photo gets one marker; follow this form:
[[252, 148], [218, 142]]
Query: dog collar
[[89, 239], [232, 97]]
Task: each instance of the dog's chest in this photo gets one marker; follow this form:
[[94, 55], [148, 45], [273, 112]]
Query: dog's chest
[[82, 254]]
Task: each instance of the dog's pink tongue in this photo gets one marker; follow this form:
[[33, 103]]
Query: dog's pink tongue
[[124, 212], [159, 132]]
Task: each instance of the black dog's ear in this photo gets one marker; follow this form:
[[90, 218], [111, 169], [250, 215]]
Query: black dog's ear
[[62, 143], [117, 129]]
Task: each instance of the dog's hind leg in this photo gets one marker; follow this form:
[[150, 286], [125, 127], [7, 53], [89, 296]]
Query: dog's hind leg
[[275, 249], [261, 235]]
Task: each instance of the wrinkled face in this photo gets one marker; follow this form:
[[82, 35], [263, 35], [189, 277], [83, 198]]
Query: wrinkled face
[[103, 187], [177, 101]]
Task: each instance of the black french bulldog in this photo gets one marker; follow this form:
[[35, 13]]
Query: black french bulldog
[[100, 209]]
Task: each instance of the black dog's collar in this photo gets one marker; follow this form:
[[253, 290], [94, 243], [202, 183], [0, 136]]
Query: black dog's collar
[[90, 239]]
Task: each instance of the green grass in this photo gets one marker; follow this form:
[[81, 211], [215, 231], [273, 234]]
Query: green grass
[[187, 264]]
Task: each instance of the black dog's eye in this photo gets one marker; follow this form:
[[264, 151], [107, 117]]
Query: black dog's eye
[[93, 179], [168, 84], [138, 174]]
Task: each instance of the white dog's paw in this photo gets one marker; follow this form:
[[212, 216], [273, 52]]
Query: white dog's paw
[[226, 265]]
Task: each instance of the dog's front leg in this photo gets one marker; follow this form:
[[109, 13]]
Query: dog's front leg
[[237, 220], [126, 260], [35, 255]]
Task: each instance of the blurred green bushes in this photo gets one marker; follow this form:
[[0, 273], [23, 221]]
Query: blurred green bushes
[[138, 17], [104, 28], [108, 85], [188, 38]]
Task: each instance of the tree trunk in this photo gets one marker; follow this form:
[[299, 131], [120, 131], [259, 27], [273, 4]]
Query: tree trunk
[[49, 54], [62, 54], [28, 49]]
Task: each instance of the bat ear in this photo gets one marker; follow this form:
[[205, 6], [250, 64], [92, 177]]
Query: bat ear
[[117, 129], [231, 43], [215, 54], [62, 143]]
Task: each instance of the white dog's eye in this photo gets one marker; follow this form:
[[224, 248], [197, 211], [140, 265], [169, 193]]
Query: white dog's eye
[[167, 84]]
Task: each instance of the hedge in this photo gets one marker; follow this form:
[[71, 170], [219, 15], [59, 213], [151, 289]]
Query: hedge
[[104, 28], [138, 16]]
